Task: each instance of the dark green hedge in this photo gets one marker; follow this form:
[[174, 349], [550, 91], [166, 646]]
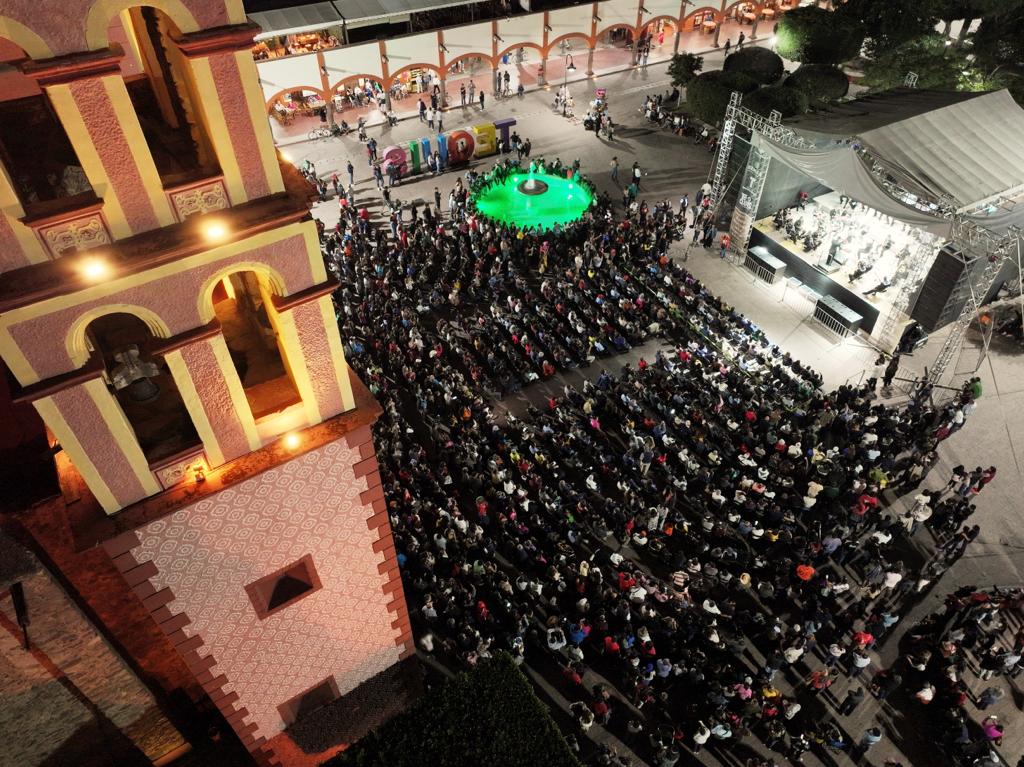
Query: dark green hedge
[[489, 717], [760, 63], [789, 101], [815, 36], [822, 83], [708, 95]]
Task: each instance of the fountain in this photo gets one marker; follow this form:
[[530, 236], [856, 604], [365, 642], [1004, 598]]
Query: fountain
[[538, 201]]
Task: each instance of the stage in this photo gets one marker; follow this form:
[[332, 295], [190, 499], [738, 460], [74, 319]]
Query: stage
[[858, 255]]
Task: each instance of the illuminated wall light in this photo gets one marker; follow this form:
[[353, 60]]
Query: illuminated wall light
[[292, 441], [95, 268], [215, 231]]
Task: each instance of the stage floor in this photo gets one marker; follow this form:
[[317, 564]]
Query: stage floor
[[869, 247]]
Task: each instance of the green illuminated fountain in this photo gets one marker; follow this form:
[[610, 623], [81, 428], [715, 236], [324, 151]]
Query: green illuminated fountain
[[537, 200]]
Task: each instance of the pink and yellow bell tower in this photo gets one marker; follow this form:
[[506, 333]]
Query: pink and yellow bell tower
[[165, 308]]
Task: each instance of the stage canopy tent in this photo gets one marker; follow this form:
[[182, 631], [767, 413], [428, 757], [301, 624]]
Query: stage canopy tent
[[353, 13], [962, 146]]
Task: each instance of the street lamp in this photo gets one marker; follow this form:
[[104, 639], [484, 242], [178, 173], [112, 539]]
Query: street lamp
[[569, 67]]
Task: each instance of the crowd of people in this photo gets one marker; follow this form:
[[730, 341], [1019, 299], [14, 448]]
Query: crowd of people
[[670, 539]]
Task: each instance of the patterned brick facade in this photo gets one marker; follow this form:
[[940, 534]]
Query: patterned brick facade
[[191, 568]]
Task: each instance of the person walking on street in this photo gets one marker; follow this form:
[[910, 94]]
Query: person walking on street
[[636, 174], [990, 696], [615, 169], [481, 101], [725, 48], [743, 39], [351, 173]]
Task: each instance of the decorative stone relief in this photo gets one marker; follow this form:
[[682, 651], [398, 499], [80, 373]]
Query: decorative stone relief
[[202, 198], [81, 233]]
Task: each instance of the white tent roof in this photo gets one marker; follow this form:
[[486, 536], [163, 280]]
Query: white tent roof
[[970, 151], [355, 13]]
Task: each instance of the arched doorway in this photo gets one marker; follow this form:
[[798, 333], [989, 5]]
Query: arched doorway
[[468, 68], [522, 65], [360, 96], [142, 385], [658, 39], [562, 51], [243, 304], [613, 48], [295, 112]]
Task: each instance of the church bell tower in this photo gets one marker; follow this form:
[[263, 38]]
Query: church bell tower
[[165, 309]]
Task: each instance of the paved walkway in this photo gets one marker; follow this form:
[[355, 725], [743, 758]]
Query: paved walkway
[[673, 166]]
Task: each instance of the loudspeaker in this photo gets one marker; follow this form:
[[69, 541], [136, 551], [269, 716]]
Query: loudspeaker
[[935, 305]]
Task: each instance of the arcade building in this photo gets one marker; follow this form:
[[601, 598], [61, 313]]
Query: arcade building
[[194, 543]]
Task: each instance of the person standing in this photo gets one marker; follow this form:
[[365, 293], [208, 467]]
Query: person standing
[[481, 101], [890, 370], [437, 199], [462, 94], [351, 173], [870, 737], [430, 119], [852, 700], [472, 91], [742, 39], [615, 169], [423, 111], [725, 48], [440, 121], [636, 174]]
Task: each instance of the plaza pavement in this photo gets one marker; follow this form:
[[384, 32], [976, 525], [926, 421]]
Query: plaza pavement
[[674, 165]]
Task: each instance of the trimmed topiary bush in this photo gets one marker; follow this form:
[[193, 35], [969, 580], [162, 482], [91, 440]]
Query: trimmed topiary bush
[[822, 83], [813, 35], [760, 63], [789, 101], [708, 95], [489, 716]]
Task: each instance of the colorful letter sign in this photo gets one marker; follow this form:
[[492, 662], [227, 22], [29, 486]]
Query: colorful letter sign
[[454, 148]]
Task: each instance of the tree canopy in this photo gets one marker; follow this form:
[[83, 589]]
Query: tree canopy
[[760, 63], [937, 66], [890, 23], [489, 716], [788, 101], [708, 95], [684, 67], [823, 84], [813, 35]]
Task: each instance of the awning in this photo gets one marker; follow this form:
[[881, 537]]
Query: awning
[[840, 168], [354, 13], [294, 21], [969, 151]]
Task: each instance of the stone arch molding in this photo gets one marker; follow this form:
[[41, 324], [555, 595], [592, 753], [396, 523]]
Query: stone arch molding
[[24, 38], [77, 344], [267, 275], [103, 11]]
